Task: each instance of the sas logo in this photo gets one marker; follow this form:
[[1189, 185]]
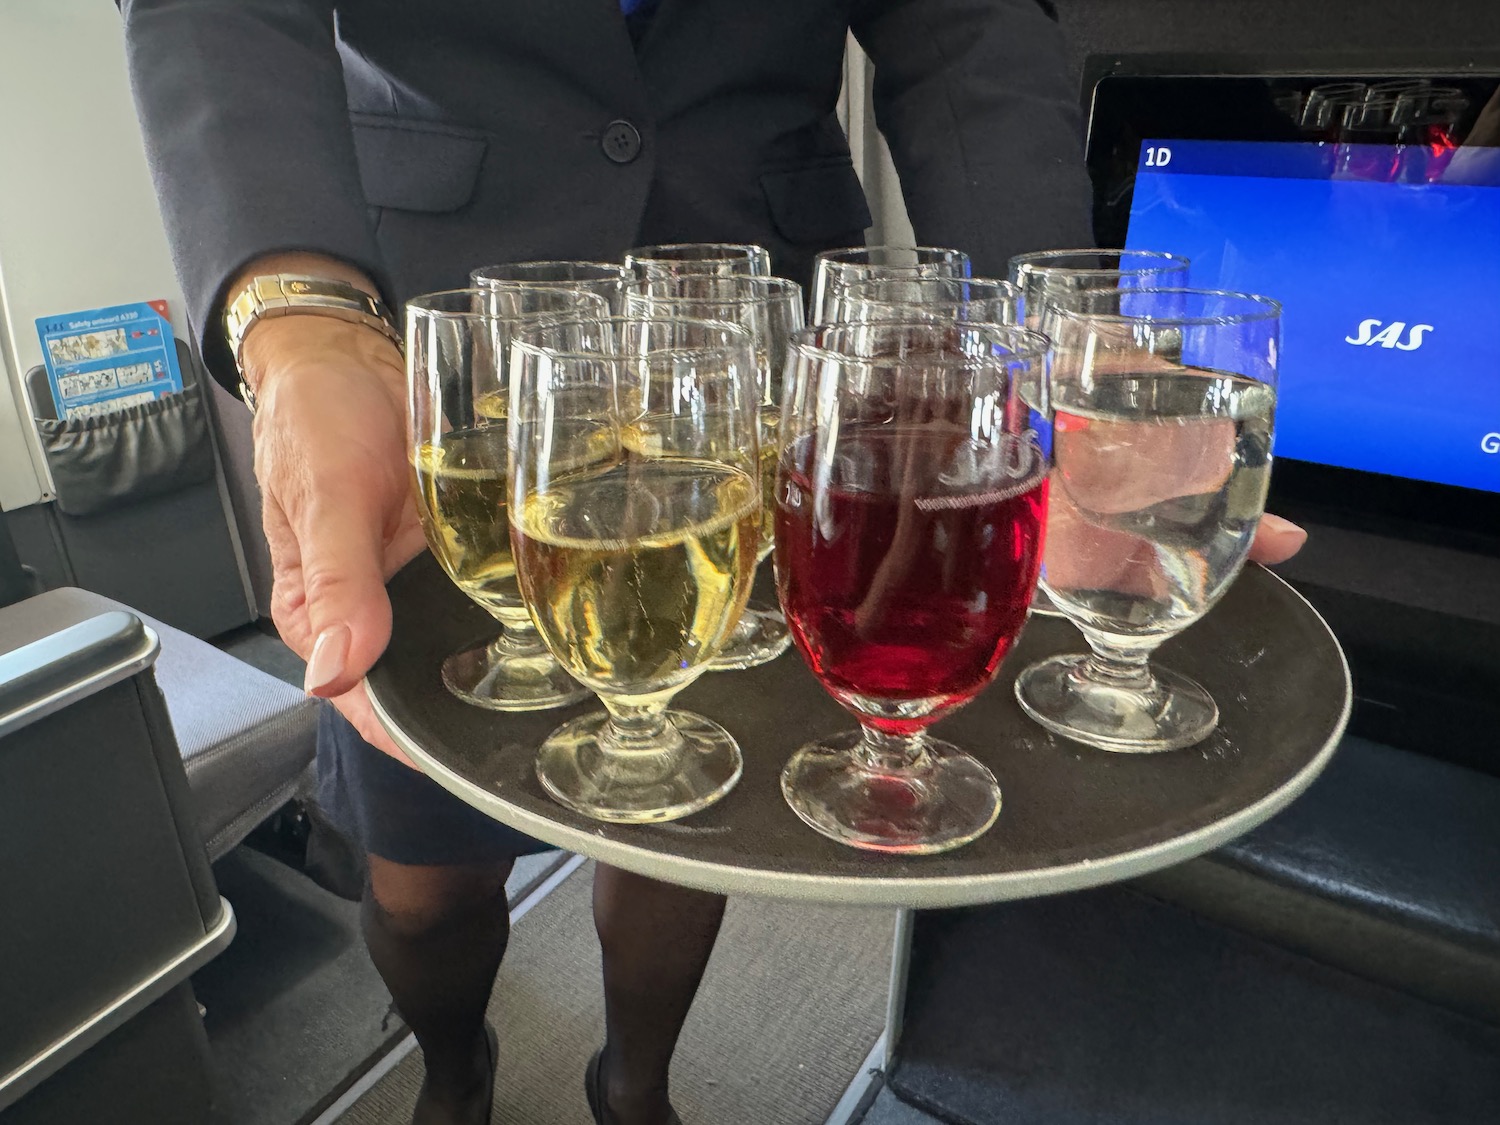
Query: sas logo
[[1389, 336]]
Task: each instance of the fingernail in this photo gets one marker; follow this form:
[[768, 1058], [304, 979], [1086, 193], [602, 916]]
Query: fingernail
[[326, 663], [1284, 528]]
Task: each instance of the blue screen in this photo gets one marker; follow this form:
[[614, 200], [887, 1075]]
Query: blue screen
[[1390, 356]]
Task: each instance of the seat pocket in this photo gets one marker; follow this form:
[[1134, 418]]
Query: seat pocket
[[133, 454], [416, 165], [817, 204]]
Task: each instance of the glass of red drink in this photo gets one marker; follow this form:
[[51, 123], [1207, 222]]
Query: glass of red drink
[[910, 504]]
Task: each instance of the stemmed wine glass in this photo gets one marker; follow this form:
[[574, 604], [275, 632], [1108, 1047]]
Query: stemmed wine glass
[[698, 259], [1163, 406], [770, 310], [1050, 279], [940, 299], [458, 399], [606, 280], [635, 515], [908, 536], [834, 269]]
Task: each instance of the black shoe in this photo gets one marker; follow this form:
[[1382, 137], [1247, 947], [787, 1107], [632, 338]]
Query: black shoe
[[427, 1114], [593, 1088]]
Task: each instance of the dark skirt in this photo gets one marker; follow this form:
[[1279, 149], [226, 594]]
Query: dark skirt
[[391, 810]]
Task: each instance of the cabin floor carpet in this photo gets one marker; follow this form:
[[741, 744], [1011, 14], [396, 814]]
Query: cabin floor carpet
[[793, 1000]]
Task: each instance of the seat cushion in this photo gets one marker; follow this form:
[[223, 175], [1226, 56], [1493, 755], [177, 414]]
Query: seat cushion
[[1103, 1007], [246, 738], [1388, 867]]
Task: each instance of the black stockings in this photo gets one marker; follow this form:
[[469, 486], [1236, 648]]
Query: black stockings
[[656, 940], [436, 935]]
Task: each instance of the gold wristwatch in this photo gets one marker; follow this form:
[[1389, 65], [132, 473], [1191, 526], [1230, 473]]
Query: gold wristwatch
[[284, 294]]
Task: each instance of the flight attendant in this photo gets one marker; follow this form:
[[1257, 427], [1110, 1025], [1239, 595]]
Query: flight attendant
[[384, 148]]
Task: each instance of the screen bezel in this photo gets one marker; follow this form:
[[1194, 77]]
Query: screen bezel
[[1126, 107]]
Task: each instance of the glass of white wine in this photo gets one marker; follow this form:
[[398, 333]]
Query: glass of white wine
[[636, 556], [834, 269], [1163, 405], [698, 259], [770, 310], [458, 401], [974, 300], [1049, 279]]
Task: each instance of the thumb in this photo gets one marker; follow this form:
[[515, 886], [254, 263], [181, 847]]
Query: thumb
[[1276, 540], [348, 612]]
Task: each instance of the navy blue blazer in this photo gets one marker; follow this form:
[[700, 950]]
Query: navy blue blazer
[[418, 140]]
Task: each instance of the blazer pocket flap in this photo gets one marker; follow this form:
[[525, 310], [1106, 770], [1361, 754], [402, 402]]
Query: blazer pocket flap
[[814, 204], [416, 166]]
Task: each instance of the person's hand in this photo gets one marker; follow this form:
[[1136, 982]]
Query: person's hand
[[1173, 461], [340, 517], [1276, 540]]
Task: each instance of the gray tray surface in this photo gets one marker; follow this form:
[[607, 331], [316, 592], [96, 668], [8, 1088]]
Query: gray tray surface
[[1071, 816]]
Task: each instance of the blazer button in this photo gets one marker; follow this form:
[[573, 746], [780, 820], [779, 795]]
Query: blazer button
[[621, 142]]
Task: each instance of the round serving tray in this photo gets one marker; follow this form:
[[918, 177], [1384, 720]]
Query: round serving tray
[[1071, 816]]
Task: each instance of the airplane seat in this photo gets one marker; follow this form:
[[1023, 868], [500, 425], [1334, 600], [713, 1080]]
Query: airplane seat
[[1388, 867], [247, 739], [110, 902]]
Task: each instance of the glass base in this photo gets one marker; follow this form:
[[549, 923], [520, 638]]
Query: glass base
[[696, 763], [1167, 713], [759, 638], [944, 800], [1043, 606], [511, 682]]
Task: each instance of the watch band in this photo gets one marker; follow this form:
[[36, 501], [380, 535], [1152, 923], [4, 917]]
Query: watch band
[[284, 294]]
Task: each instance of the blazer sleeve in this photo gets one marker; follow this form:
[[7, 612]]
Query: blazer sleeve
[[975, 101], [244, 113]]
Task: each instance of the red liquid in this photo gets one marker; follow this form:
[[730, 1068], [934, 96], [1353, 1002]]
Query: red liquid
[[896, 586]]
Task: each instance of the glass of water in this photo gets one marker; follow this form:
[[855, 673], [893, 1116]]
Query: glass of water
[[1049, 279], [1163, 405]]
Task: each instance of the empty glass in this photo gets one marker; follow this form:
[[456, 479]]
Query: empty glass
[[1163, 406], [940, 299], [635, 515], [835, 269], [1049, 279], [458, 399], [697, 259], [908, 536], [770, 310]]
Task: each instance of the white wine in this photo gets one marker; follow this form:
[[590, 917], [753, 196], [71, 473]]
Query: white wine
[[462, 492], [637, 572], [1157, 488]]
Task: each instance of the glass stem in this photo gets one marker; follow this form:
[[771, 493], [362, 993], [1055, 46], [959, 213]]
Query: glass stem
[[518, 638], [636, 725], [1118, 666], [883, 752]]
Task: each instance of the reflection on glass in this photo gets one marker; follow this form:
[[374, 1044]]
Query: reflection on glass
[[606, 280], [698, 259], [834, 269], [936, 299]]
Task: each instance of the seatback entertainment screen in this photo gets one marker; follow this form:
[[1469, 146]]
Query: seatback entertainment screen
[[1386, 259]]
